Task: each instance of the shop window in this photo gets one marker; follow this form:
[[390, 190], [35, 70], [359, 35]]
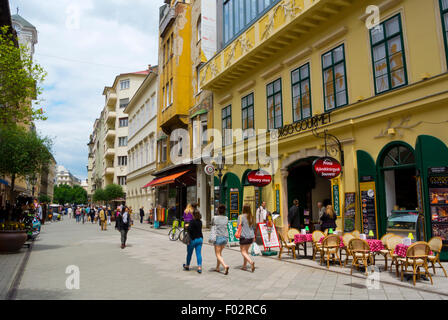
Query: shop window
[[274, 101], [226, 124], [444, 14], [335, 81], [389, 64], [301, 93]]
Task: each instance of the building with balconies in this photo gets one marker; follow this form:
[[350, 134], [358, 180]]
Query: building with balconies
[[361, 81]]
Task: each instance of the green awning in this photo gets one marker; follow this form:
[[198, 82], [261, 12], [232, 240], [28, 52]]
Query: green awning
[[200, 112], [162, 137]]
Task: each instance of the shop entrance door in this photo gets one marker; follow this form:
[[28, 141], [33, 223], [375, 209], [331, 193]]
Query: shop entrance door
[[305, 186]]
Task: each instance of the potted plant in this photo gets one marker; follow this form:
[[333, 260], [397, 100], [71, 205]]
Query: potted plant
[[13, 236]]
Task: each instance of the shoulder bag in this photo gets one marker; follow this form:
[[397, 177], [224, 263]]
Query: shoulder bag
[[240, 229]]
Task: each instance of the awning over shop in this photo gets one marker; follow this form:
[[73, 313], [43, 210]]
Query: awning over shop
[[165, 180], [200, 112]]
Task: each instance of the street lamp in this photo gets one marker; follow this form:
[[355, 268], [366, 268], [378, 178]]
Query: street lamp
[[220, 167], [33, 181]]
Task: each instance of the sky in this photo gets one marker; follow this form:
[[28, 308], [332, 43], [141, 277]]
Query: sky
[[83, 45]]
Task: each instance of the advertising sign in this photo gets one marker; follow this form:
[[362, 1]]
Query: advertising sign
[[268, 243], [232, 227], [438, 197], [349, 211], [327, 167], [336, 203], [259, 178], [208, 28], [368, 208]]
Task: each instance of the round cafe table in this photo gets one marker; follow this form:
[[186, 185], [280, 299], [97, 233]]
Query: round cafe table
[[302, 239], [401, 249], [375, 245]]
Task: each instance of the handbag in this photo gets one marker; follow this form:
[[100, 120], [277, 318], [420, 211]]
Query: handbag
[[254, 249], [239, 230], [212, 236], [186, 239]]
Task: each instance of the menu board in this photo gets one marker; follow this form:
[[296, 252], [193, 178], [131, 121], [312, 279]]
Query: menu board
[[368, 208], [257, 198], [277, 197], [273, 241], [234, 205], [349, 211], [438, 196], [232, 227]]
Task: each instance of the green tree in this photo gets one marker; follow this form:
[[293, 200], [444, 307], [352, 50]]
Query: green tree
[[63, 194], [20, 82], [114, 191], [99, 195], [24, 153], [79, 195], [44, 199]]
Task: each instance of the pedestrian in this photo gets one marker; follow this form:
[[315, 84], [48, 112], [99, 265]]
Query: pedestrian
[[328, 219], [88, 213], [142, 214], [196, 241], [109, 215], [97, 212], [103, 219], [269, 224], [188, 215], [247, 237], [294, 215], [78, 215], [92, 215], [321, 209], [220, 221], [261, 213], [70, 212], [123, 224], [83, 214]]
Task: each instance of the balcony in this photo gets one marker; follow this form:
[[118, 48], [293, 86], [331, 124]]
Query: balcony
[[111, 116], [110, 152], [110, 171], [111, 99], [110, 135], [288, 22]]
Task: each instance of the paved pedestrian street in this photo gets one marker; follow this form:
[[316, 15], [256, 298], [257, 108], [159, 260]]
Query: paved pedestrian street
[[151, 268]]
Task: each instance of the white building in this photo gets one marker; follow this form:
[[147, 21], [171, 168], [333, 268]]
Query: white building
[[26, 32], [63, 176], [142, 144]]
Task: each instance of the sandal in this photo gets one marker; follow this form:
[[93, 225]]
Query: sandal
[[227, 270], [199, 270], [186, 268], [253, 266]]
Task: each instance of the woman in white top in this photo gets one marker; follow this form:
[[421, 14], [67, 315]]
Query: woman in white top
[[222, 236]]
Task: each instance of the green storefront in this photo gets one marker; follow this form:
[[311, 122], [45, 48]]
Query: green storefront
[[406, 182]]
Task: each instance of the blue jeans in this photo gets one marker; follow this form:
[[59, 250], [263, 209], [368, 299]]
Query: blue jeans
[[195, 244]]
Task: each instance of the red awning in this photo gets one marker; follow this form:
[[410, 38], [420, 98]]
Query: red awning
[[157, 182]]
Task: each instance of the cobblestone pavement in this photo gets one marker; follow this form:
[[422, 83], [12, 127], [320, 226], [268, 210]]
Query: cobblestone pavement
[[151, 268]]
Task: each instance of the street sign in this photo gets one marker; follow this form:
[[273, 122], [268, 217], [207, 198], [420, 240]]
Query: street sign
[[327, 167], [259, 178], [209, 169]]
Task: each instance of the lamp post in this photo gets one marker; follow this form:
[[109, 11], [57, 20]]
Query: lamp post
[[32, 180], [220, 167]]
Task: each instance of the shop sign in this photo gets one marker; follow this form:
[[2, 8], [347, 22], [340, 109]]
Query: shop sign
[[259, 178], [327, 167], [209, 169], [307, 124]]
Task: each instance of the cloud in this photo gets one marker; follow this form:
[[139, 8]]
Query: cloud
[[83, 45]]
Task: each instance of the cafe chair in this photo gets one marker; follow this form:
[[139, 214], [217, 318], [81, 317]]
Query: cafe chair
[[330, 249], [391, 244], [360, 251], [317, 235], [288, 245], [385, 252], [416, 257], [291, 233], [435, 244], [346, 240], [356, 234]]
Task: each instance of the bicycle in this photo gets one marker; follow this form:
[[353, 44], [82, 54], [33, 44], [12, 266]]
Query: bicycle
[[183, 232], [175, 231]]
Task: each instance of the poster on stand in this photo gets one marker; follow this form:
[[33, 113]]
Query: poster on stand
[[268, 243], [349, 211], [438, 197]]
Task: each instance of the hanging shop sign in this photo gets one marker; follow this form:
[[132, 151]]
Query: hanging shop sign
[[327, 167], [259, 178], [307, 124], [209, 169]]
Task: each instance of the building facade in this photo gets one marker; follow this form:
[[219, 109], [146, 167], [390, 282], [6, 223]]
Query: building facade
[[141, 158], [64, 176], [321, 80]]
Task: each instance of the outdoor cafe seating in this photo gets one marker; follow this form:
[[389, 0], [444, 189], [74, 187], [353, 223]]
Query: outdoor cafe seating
[[416, 257]]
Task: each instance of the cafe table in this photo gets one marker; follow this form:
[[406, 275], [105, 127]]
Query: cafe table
[[302, 239], [375, 245], [401, 249]]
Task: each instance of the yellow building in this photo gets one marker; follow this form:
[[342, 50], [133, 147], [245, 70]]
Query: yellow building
[[307, 68]]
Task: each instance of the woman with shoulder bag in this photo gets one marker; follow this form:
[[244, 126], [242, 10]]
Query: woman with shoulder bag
[[196, 239], [123, 224], [222, 235], [247, 223]]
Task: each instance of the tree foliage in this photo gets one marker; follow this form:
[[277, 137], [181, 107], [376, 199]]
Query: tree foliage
[[99, 195], [114, 191], [44, 199], [64, 194], [20, 80]]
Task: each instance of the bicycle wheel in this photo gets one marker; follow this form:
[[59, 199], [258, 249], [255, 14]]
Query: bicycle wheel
[[172, 234], [181, 235]]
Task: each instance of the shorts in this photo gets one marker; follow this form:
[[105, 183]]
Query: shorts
[[221, 241], [244, 241]]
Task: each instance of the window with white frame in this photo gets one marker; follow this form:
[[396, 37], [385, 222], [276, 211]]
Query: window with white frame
[[203, 129], [123, 122], [122, 180], [122, 141], [123, 161], [125, 84]]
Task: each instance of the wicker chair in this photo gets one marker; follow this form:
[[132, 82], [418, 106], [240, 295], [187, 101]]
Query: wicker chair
[[291, 233], [385, 252], [330, 247], [288, 245], [356, 234], [346, 240], [317, 235], [360, 251], [435, 244], [391, 244], [416, 256]]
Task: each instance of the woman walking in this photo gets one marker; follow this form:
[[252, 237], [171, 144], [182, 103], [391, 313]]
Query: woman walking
[[77, 214], [220, 221], [188, 215], [328, 219], [123, 224], [196, 240], [247, 236]]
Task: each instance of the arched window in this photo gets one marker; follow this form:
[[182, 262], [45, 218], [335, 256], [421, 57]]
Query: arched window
[[398, 155]]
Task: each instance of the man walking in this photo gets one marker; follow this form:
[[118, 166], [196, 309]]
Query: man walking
[[142, 214], [321, 209], [70, 212], [109, 215], [103, 220], [294, 215], [123, 224]]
